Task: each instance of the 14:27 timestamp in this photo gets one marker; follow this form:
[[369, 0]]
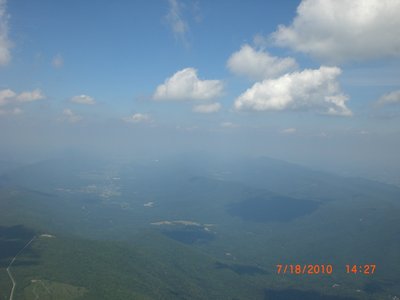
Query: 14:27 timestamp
[[361, 269]]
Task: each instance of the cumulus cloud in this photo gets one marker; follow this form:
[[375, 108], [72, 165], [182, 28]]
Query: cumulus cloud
[[315, 90], [207, 108], [259, 64], [8, 96], [138, 118], [185, 85], [17, 111], [70, 116], [57, 61], [289, 130], [228, 125], [30, 96], [176, 21], [341, 30], [5, 43], [83, 99], [14, 111], [390, 98]]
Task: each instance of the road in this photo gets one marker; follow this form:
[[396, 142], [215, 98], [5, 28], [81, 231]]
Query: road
[[14, 283]]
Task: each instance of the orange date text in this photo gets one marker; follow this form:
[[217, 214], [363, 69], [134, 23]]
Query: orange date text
[[312, 269]]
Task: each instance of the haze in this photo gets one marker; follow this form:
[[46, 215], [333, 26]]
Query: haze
[[170, 77]]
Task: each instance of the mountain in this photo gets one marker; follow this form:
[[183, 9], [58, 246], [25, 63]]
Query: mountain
[[197, 228]]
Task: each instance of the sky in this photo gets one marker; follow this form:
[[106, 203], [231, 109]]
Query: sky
[[315, 82]]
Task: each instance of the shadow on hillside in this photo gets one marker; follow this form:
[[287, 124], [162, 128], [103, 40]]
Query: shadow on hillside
[[241, 269], [12, 240], [268, 208], [189, 235]]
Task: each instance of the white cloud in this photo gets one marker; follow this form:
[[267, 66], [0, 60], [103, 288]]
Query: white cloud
[[185, 85], [70, 116], [8, 96], [17, 111], [57, 61], [342, 30], [207, 108], [83, 99], [187, 128], [228, 125], [315, 90], [14, 111], [289, 130], [5, 43], [138, 118], [390, 98], [176, 21], [321, 135], [30, 96], [258, 65]]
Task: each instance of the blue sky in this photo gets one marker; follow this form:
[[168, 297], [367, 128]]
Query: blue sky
[[312, 81]]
